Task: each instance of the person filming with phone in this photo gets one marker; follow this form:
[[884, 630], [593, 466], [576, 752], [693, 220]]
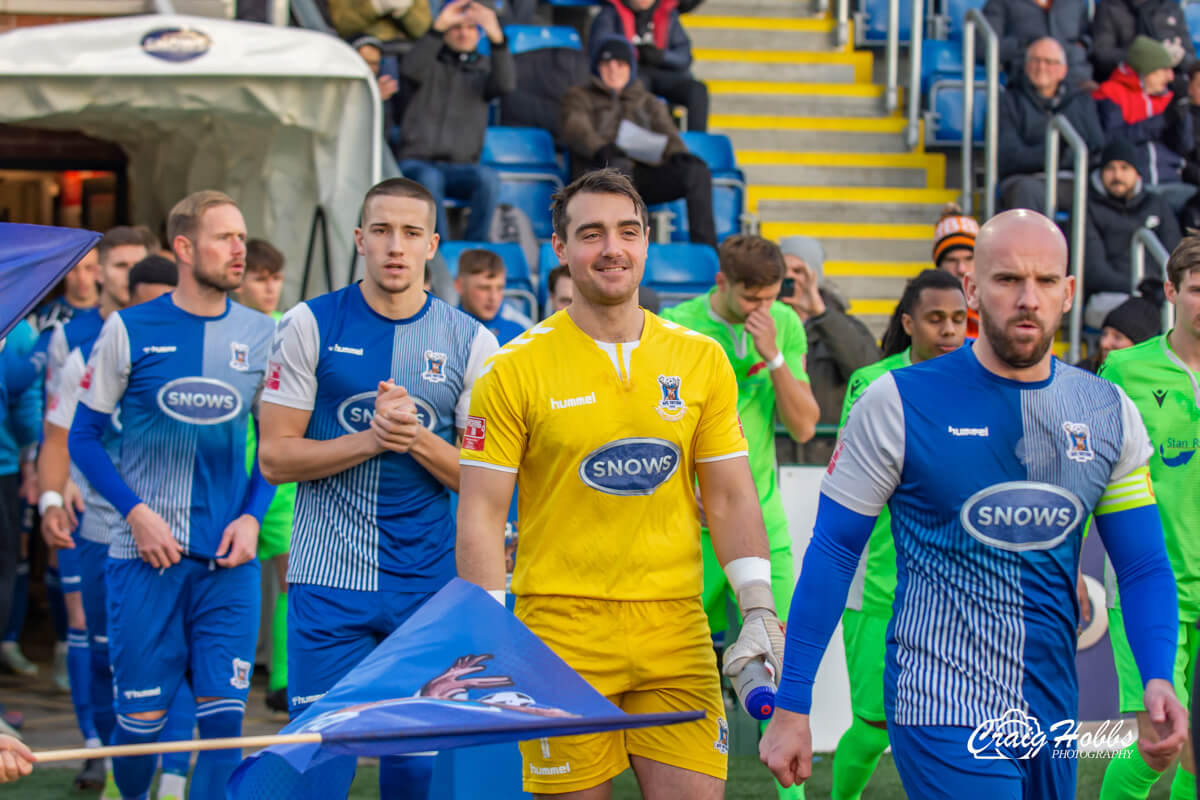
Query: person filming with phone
[[838, 344]]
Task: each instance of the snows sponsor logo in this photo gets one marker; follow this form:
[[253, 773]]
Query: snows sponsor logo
[[199, 401], [176, 44], [1022, 515], [636, 466], [355, 412]]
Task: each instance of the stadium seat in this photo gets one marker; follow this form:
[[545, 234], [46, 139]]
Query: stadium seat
[[943, 60], [1191, 11], [547, 260], [531, 196], [715, 149], [517, 281], [729, 186], [944, 125], [528, 169], [956, 12], [678, 271], [523, 38], [871, 22]]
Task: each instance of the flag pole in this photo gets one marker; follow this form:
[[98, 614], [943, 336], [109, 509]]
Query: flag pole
[[185, 746]]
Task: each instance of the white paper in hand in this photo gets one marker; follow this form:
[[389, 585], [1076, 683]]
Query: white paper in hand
[[641, 144]]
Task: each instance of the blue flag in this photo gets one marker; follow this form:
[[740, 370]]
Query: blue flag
[[462, 671], [33, 258]]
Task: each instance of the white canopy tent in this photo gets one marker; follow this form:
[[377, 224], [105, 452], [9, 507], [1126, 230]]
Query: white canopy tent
[[284, 120]]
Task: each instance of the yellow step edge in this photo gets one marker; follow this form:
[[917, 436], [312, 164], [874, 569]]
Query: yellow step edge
[[847, 230], [861, 60], [878, 269], [934, 164], [848, 194], [796, 88], [692, 22], [882, 308], [892, 124]]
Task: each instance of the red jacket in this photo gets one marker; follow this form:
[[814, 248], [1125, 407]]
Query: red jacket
[[1124, 88], [662, 21]]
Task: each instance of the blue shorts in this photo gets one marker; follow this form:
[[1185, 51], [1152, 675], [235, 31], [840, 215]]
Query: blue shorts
[[331, 630], [937, 762], [193, 618], [93, 559]]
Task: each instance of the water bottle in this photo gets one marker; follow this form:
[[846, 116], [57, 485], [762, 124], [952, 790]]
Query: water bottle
[[755, 689]]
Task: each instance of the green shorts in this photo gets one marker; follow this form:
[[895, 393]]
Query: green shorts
[[1130, 687], [865, 638], [716, 586], [275, 535]]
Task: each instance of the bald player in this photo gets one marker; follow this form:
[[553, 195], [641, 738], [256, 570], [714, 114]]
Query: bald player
[[990, 459]]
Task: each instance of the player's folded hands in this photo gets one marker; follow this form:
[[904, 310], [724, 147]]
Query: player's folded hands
[[395, 422], [15, 759], [153, 537], [786, 748], [239, 542]]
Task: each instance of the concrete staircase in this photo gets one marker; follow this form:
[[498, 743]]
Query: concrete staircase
[[822, 157]]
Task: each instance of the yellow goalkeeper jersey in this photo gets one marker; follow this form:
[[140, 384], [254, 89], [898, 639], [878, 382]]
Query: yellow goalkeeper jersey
[[604, 440]]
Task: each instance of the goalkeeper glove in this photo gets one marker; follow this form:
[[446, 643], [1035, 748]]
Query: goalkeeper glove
[[762, 632]]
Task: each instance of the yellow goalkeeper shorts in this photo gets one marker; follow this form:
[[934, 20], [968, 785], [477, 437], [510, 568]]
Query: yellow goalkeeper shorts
[[645, 657]]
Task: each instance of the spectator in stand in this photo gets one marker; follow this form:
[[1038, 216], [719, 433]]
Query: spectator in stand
[[954, 251], [838, 344], [370, 48], [1025, 110], [1137, 107], [1132, 322], [1190, 218], [1119, 22], [441, 135], [593, 115], [664, 52], [1020, 23], [561, 288], [388, 20], [480, 287], [1117, 206]]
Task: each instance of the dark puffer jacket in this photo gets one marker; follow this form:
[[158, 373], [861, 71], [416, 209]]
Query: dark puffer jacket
[[1019, 23], [1024, 115], [1111, 224]]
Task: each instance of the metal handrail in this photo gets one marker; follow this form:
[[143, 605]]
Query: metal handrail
[[842, 31], [990, 132], [892, 90], [917, 36], [1146, 239], [1060, 128]]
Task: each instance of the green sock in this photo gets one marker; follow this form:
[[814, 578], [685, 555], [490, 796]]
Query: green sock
[[792, 792], [278, 679], [1128, 776], [854, 761], [1183, 787]]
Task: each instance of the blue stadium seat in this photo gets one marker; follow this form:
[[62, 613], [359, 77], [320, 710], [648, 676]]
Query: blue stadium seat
[[729, 186], [943, 60], [956, 12], [517, 281], [714, 148], [1191, 11], [871, 22], [523, 38], [678, 271], [531, 196], [519, 147], [946, 107]]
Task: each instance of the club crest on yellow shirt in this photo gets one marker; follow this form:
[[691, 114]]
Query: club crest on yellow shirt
[[670, 406]]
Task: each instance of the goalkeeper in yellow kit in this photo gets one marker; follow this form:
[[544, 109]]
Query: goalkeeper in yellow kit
[[605, 416]]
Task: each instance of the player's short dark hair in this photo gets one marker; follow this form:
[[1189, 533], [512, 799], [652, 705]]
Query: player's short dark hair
[[561, 271], [598, 181], [153, 269], [185, 216], [262, 256], [895, 339], [1184, 258], [480, 262], [401, 187], [751, 261], [120, 236]]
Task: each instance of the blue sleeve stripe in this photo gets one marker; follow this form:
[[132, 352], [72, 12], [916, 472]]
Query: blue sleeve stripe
[[830, 562]]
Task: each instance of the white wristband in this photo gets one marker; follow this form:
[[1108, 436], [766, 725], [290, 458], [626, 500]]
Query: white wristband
[[742, 571], [776, 362], [497, 595], [49, 499]]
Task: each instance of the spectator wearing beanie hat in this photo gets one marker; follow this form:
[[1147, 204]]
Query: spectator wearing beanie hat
[[954, 250], [1132, 322], [1136, 106], [1118, 205]]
